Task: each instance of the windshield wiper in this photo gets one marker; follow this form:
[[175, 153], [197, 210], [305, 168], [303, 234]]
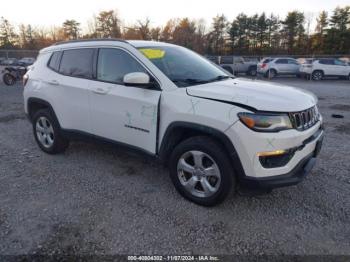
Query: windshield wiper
[[190, 81], [218, 78], [193, 81]]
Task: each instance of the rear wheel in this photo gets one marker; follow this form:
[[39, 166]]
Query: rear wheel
[[252, 71], [271, 73], [317, 75], [9, 79], [47, 132], [201, 171]]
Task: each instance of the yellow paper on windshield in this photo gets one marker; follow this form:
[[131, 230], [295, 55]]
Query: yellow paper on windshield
[[153, 53]]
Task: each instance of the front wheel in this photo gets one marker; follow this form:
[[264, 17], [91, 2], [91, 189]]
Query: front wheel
[[201, 171], [9, 79]]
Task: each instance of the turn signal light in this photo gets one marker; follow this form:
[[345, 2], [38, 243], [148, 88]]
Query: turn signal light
[[25, 80], [272, 153]]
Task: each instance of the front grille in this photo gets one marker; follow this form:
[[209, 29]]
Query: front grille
[[305, 119]]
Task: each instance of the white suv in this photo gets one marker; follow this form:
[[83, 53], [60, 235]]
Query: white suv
[[271, 67], [320, 68], [212, 130]]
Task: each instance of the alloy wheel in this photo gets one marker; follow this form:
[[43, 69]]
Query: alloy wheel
[[199, 174], [317, 76], [44, 132]]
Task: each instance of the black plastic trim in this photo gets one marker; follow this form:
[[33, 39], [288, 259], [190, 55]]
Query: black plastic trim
[[293, 177], [32, 100], [225, 141], [84, 136]]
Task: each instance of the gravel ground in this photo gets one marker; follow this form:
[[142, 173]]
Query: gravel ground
[[99, 199]]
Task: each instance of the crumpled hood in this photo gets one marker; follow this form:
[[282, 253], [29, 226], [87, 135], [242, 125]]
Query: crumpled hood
[[259, 95]]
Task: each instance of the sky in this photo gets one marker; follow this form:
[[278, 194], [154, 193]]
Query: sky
[[53, 12]]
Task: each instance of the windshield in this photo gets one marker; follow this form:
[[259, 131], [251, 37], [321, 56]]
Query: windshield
[[182, 66]]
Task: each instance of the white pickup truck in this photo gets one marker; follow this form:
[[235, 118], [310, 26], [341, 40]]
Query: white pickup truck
[[238, 64]]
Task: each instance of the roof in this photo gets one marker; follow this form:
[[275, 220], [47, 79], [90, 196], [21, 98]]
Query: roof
[[101, 41]]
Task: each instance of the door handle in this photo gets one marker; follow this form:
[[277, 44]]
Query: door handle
[[100, 91], [53, 82]]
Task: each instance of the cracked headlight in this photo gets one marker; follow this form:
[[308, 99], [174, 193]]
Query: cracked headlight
[[265, 122]]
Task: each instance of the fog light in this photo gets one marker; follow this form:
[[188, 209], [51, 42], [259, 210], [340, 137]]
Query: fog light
[[277, 158], [272, 153]]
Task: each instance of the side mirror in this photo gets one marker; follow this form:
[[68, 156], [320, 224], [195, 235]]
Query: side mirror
[[137, 79]]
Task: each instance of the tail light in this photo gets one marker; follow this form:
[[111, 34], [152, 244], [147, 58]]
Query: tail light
[[263, 65], [25, 80]]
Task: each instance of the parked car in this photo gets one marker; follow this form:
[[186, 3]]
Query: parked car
[[237, 65], [211, 129], [324, 67], [271, 67], [26, 61], [9, 62]]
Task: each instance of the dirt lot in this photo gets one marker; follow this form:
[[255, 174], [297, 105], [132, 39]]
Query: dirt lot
[[99, 199]]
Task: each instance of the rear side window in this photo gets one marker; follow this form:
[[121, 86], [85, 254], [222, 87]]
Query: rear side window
[[114, 64], [282, 61], [77, 63], [54, 62]]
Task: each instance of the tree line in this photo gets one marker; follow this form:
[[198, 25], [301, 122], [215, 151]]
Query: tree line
[[259, 34]]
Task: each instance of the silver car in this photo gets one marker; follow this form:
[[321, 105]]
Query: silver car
[[273, 66]]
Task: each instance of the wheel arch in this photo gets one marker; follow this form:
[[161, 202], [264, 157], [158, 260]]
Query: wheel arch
[[179, 131], [318, 70], [34, 104]]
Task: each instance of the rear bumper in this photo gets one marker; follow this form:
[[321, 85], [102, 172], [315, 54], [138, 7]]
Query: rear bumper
[[292, 178]]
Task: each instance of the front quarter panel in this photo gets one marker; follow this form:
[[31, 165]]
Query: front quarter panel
[[178, 106]]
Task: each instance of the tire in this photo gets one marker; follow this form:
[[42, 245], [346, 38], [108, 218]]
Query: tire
[[252, 72], [317, 75], [47, 132], [204, 188], [9, 79], [271, 73]]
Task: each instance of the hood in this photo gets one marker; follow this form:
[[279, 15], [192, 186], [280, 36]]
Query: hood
[[255, 94]]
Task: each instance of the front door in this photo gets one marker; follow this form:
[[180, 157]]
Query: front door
[[126, 114]]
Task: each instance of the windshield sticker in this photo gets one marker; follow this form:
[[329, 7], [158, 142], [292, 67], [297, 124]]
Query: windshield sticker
[[153, 53]]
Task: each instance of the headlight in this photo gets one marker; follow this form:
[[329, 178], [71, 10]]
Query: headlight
[[266, 122]]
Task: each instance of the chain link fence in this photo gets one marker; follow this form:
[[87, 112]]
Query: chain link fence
[[18, 54]]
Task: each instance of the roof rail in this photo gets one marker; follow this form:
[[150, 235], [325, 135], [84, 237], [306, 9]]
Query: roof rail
[[89, 40]]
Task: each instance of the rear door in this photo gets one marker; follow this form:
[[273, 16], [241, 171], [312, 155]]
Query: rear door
[[328, 66], [341, 68], [68, 82], [127, 114], [293, 67], [282, 65]]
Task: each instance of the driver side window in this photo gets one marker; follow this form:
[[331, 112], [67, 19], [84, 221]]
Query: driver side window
[[113, 64]]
